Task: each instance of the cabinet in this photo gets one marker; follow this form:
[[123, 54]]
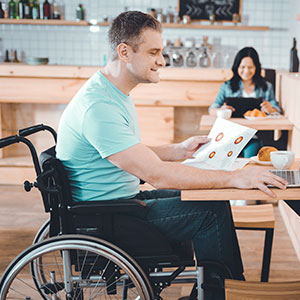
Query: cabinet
[[168, 111]]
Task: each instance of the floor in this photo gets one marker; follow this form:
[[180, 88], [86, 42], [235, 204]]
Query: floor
[[21, 214]]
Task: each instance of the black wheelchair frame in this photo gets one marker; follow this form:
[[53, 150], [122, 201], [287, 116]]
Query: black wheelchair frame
[[99, 246]]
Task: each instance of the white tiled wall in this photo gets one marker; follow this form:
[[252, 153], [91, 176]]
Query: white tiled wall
[[76, 45]]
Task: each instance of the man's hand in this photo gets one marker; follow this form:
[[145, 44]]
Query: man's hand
[[190, 145], [256, 177]]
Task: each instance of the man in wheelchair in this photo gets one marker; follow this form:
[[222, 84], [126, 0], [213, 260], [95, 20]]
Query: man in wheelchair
[[100, 147]]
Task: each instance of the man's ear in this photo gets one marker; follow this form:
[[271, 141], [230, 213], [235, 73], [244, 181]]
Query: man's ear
[[123, 51]]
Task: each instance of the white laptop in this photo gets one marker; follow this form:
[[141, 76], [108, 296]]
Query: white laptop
[[291, 176]]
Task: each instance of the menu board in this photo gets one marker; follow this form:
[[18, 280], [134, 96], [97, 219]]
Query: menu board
[[202, 9]]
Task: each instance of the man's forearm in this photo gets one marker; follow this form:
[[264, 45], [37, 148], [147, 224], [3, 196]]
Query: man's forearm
[[177, 176], [170, 152]]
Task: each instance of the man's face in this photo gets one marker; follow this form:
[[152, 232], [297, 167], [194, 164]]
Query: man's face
[[143, 64]]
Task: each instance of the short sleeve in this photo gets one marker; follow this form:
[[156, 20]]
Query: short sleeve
[[107, 129], [271, 97], [220, 97]]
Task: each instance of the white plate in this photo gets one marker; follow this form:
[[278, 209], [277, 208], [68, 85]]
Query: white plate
[[255, 118], [260, 162]]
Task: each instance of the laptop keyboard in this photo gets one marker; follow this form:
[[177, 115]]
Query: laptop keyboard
[[288, 175]]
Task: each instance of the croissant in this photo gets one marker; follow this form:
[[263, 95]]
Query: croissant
[[254, 113]]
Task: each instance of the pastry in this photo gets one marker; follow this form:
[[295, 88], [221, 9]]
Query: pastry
[[254, 113], [264, 153]]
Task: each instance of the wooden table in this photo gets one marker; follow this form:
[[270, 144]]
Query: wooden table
[[276, 124], [281, 123], [238, 194]]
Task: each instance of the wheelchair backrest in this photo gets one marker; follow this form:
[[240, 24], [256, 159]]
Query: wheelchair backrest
[[54, 186]]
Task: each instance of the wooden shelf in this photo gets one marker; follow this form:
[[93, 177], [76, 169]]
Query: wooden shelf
[[43, 22], [165, 25], [216, 26]]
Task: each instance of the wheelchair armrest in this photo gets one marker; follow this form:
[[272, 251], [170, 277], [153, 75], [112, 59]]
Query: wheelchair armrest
[[107, 206]]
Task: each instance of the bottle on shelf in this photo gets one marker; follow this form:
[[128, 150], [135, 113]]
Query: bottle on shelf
[[79, 12], [1, 11], [12, 9], [55, 10], [35, 11], [204, 61], [20, 9], [6, 56], [294, 60], [15, 60], [204, 57], [61, 8], [41, 10], [1, 51], [46, 10], [27, 13]]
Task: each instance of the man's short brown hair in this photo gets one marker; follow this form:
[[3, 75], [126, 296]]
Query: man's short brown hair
[[127, 28]]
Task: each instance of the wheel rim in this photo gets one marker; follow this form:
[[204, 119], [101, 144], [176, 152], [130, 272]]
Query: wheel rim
[[18, 283]]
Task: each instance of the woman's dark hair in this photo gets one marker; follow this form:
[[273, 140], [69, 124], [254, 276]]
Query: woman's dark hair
[[257, 78], [127, 28]]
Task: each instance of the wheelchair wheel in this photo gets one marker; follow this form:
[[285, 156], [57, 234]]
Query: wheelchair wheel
[[74, 267], [43, 232]]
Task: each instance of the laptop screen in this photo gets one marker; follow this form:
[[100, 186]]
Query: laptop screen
[[242, 104]]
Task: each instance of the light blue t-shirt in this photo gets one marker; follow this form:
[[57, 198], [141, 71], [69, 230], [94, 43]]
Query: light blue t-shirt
[[98, 122]]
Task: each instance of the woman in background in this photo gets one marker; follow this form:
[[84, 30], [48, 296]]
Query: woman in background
[[247, 82]]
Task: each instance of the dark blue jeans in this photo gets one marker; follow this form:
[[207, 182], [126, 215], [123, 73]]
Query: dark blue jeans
[[208, 223]]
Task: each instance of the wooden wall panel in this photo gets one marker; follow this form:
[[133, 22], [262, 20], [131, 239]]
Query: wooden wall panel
[[39, 90], [292, 223], [295, 141], [187, 121], [17, 116], [176, 93], [156, 124], [288, 91]]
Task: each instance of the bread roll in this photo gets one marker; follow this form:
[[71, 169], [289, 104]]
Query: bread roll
[[254, 113], [264, 153]]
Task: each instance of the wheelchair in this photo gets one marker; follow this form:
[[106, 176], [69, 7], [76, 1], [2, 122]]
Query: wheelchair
[[94, 250]]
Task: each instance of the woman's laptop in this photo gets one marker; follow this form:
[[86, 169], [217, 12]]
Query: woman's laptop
[[291, 176], [242, 104]]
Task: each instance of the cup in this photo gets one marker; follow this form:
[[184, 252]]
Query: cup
[[282, 159], [224, 113]]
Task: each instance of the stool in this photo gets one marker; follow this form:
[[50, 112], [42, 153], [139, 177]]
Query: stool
[[237, 290], [257, 217]]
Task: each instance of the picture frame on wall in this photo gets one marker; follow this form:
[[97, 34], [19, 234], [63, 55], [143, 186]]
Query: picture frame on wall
[[211, 10]]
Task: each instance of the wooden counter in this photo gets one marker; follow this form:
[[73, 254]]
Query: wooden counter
[[168, 111], [58, 84]]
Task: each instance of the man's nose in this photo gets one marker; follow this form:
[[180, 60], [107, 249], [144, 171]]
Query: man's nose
[[161, 60]]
